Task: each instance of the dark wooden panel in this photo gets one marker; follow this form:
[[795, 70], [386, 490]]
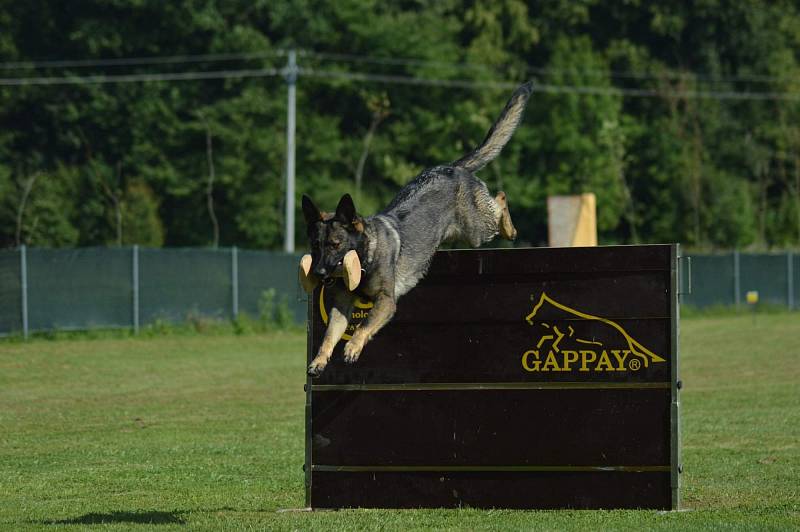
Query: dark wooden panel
[[492, 427], [458, 326], [479, 352], [530, 261], [582, 490], [511, 299]]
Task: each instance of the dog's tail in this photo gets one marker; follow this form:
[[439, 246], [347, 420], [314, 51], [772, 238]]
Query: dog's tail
[[500, 133]]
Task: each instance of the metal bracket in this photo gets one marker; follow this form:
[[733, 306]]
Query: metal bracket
[[688, 269]]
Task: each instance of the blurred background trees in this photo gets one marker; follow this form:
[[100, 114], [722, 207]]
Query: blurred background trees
[[681, 116]]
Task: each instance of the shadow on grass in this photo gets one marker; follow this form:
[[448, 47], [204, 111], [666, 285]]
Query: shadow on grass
[[150, 518]]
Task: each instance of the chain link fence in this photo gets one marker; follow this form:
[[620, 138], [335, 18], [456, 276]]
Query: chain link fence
[[75, 289], [725, 279]]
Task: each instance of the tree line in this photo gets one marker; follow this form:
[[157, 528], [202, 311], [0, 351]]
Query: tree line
[[682, 117]]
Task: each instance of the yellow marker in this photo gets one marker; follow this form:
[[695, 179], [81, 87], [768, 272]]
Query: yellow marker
[[360, 312]]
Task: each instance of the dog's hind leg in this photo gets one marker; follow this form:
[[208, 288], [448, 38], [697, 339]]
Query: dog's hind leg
[[337, 325], [504, 223], [482, 217]]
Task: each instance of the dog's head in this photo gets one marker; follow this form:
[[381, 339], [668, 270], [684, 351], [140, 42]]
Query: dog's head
[[331, 236]]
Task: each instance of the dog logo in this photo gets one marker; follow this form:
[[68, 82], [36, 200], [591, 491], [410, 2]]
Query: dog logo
[[359, 314], [559, 347]]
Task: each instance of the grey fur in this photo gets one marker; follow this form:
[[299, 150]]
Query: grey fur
[[395, 246], [500, 133]]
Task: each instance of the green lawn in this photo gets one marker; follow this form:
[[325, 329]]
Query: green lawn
[[206, 432]]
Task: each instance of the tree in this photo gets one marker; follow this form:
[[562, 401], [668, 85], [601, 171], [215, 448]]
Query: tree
[[675, 160]]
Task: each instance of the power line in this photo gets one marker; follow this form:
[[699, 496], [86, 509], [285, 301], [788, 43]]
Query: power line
[[407, 80], [395, 79], [234, 56], [681, 75], [353, 58], [139, 78], [550, 88], [143, 61], [548, 71], [364, 59]]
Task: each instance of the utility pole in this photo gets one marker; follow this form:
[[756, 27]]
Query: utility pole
[[291, 81]]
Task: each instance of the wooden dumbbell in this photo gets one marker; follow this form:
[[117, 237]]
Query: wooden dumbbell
[[308, 280], [349, 270]]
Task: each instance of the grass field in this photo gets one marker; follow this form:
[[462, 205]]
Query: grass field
[[206, 432]]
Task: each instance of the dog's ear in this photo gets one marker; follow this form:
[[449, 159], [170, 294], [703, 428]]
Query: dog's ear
[[346, 211], [310, 211]]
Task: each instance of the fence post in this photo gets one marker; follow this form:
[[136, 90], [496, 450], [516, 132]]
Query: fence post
[[235, 280], [790, 280], [23, 274], [135, 288], [291, 82], [736, 281]]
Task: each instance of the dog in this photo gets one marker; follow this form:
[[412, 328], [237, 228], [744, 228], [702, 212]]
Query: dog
[[396, 246]]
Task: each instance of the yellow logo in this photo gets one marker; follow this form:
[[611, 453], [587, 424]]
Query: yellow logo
[[359, 313], [558, 350]]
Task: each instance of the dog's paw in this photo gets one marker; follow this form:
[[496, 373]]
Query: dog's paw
[[316, 367], [352, 350]]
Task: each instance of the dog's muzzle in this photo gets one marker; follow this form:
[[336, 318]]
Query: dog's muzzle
[[328, 277]]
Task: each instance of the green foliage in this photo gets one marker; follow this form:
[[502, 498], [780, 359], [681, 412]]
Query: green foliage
[[274, 311], [141, 222], [129, 163], [243, 324], [47, 220], [579, 143]]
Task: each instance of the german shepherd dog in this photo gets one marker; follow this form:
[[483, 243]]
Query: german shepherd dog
[[396, 246]]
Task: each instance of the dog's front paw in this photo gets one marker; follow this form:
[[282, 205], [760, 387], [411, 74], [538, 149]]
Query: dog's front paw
[[316, 367], [352, 350]]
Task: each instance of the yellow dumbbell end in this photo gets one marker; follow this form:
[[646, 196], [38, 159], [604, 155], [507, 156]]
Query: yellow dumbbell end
[[308, 280], [351, 270]]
